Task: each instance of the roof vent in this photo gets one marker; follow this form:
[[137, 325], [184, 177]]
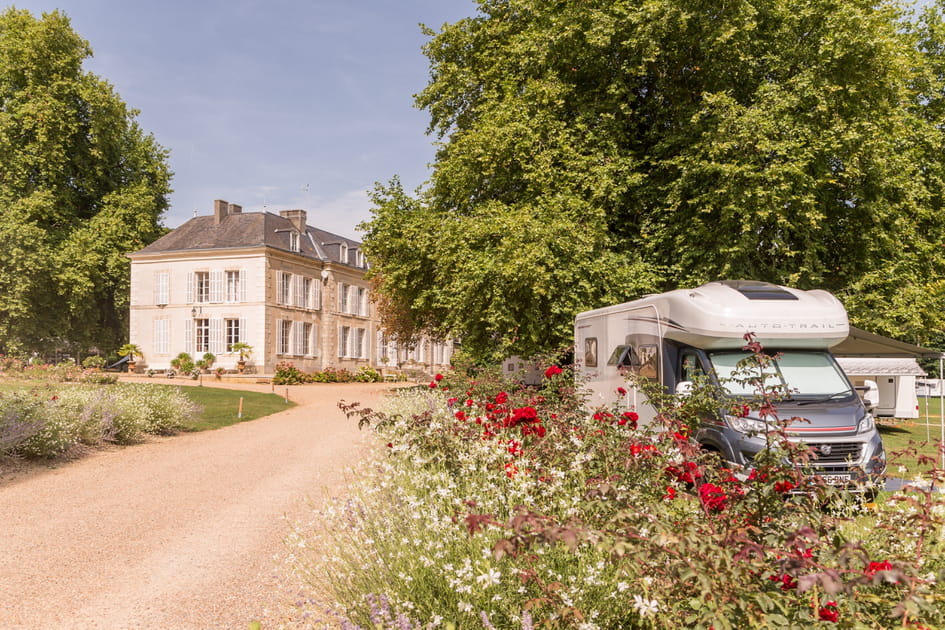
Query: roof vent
[[754, 290]]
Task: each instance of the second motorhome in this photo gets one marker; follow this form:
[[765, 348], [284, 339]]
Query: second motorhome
[[677, 337]]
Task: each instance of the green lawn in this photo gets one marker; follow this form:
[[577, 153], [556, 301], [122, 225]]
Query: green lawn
[[221, 406], [900, 435]]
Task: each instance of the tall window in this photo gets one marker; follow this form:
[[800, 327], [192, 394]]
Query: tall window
[[307, 293], [363, 305], [162, 287], [343, 297], [359, 347], [202, 335], [344, 335], [294, 243], [233, 333], [306, 339], [283, 288], [202, 286], [316, 295], [235, 291], [283, 335]]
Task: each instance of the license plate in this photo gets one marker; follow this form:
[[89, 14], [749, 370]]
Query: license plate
[[836, 479]]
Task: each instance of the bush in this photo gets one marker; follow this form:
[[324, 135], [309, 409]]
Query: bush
[[500, 506], [95, 361], [287, 374], [46, 424]]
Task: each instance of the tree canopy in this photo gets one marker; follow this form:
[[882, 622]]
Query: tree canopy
[[81, 185], [593, 150]]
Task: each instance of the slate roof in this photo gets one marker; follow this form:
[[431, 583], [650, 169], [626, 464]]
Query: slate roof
[[251, 229]]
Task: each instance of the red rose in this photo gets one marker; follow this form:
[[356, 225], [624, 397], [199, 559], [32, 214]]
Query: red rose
[[553, 370], [828, 612], [438, 377]]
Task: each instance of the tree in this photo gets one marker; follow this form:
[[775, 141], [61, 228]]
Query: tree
[[591, 150], [81, 185]]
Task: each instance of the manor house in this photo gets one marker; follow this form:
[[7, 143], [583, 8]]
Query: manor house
[[291, 291]]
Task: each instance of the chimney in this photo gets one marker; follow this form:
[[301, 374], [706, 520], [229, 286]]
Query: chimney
[[235, 209], [297, 217], [220, 210]]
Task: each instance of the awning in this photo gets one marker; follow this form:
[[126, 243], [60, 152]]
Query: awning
[[861, 343], [880, 366]]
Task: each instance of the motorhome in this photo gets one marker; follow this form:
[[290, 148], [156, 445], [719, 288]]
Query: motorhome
[[677, 337]]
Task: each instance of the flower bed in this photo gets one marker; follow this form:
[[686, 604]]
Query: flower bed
[[513, 508], [288, 374]]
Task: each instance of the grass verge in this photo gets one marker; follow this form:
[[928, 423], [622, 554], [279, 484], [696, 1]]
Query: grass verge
[[221, 406]]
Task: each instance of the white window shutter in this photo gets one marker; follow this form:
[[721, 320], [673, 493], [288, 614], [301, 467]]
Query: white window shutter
[[190, 287], [189, 336], [242, 281], [297, 338], [314, 341], [316, 294], [279, 333], [242, 330], [299, 298], [216, 336], [216, 286]]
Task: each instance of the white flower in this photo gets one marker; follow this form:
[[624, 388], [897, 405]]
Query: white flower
[[465, 607], [489, 578], [645, 606]]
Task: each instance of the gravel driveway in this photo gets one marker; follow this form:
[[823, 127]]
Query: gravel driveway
[[179, 532]]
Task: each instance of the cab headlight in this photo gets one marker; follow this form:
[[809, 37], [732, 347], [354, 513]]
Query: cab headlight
[[866, 424], [746, 425]]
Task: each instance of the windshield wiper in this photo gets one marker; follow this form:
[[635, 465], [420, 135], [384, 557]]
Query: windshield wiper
[[810, 401]]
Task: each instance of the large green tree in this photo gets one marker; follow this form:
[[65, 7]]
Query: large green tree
[[590, 150], [81, 185]]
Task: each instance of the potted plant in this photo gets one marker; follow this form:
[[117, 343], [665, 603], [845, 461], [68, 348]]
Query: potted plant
[[206, 362], [183, 363], [245, 351], [131, 351], [219, 373]]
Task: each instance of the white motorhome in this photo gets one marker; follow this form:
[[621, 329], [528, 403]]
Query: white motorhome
[[675, 337]]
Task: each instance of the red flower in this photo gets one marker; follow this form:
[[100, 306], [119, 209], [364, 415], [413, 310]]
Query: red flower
[[670, 493], [621, 391], [828, 612], [876, 567], [628, 417], [501, 398], [787, 582], [783, 486], [432, 384], [461, 416], [451, 401], [511, 470], [553, 370], [713, 497], [438, 378]]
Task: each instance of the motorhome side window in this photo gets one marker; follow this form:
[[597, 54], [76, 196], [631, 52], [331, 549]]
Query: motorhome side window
[[691, 368], [590, 352], [622, 356], [649, 357]]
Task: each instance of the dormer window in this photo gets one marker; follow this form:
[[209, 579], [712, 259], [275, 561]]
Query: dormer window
[[294, 241], [344, 253], [359, 258]]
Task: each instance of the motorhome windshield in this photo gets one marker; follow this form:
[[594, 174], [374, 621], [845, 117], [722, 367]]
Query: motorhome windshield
[[801, 374]]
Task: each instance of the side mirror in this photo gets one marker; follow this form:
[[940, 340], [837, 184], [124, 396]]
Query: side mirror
[[683, 388]]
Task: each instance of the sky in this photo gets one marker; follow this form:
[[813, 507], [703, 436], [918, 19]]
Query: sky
[[272, 105]]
